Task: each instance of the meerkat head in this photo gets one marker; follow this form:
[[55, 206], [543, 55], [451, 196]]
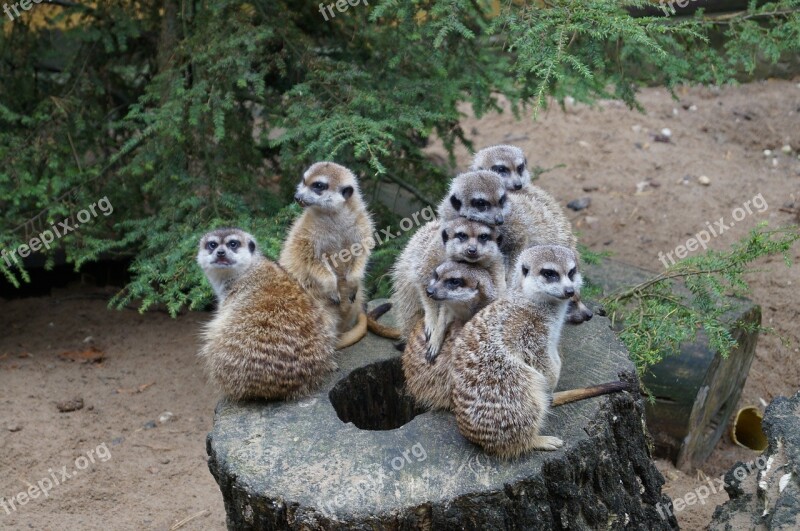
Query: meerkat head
[[470, 241], [547, 272], [456, 282], [224, 255], [508, 162], [478, 196], [326, 186]]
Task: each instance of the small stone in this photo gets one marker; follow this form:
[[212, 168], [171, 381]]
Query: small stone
[[70, 405], [591, 220], [666, 132], [590, 188], [767, 152], [787, 149], [774, 162], [167, 416], [165, 460], [150, 425], [674, 112], [13, 428], [704, 180], [584, 144], [579, 204], [117, 441], [693, 108], [636, 128]]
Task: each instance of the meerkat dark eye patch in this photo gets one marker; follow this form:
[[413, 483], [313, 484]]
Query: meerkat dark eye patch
[[455, 202], [347, 192], [483, 238], [454, 282], [319, 186], [520, 169], [445, 237], [480, 204], [571, 273], [549, 274], [233, 244], [462, 236], [252, 247], [211, 246], [525, 271], [499, 168]]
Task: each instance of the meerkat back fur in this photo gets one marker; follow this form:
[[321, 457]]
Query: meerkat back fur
[[269, 338], [329, 245], [457, 239], [505, 360], [535, 217], [463, 290]]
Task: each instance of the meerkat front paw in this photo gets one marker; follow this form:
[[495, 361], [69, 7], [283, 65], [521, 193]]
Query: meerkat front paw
[[353, 295], [431, 353], [335, 300], [547, 443]]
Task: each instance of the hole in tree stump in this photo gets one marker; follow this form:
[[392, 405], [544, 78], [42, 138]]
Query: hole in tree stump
[[374, 397]]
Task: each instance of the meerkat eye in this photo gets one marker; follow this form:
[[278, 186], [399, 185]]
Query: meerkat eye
[[480, 204], [233, 244], [520, 169], [549, 274], [525, 271], [499, 168], [571, 273], [461, 236], [319, 186], [454, 282], [211, 246], [483, 238]]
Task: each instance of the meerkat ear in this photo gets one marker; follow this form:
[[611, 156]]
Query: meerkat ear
[[525, 271], [347, 192], [252, 246], [444, 236], [455, 202], [499, 240]]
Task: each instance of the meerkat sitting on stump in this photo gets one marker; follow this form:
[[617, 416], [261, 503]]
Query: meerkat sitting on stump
[[463, 290], [505, 360], [535, 217], [269, 338], [329, 245], [456, 239]]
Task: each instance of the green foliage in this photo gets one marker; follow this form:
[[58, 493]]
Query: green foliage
[[190, 115], [656, 316]]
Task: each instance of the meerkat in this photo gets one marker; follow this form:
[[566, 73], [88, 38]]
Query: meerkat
[[269, 338], [456, 239], [506, 363], [478, 196], [535, 217], [463, 289], [329, 245]]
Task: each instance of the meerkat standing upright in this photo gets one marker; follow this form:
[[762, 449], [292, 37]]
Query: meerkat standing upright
[[329, 245], [269, 338], [462, 289], [506, 362], [535, 217]]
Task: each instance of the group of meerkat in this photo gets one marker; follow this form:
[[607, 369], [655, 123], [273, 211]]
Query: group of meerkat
[[481, 296], [278, 324]]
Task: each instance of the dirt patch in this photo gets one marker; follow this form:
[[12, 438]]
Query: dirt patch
[[157, 475]]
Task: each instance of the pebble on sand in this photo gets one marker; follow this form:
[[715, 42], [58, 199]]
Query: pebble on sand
[[579, 204], [704, 180]]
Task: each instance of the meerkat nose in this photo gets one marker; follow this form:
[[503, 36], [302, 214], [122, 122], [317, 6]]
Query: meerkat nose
[[517, 186], [498, 219], [221, 252], [569, 292], [430, 291]]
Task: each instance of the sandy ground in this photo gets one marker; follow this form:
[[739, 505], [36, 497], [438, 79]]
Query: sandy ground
[[149, 474]]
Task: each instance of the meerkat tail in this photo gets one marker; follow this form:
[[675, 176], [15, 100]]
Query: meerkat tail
[[355, 335], [389, 332], [574, 395]]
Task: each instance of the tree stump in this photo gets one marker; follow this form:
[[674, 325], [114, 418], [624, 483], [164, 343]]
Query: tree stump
[[765, 493], [358, 454]]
